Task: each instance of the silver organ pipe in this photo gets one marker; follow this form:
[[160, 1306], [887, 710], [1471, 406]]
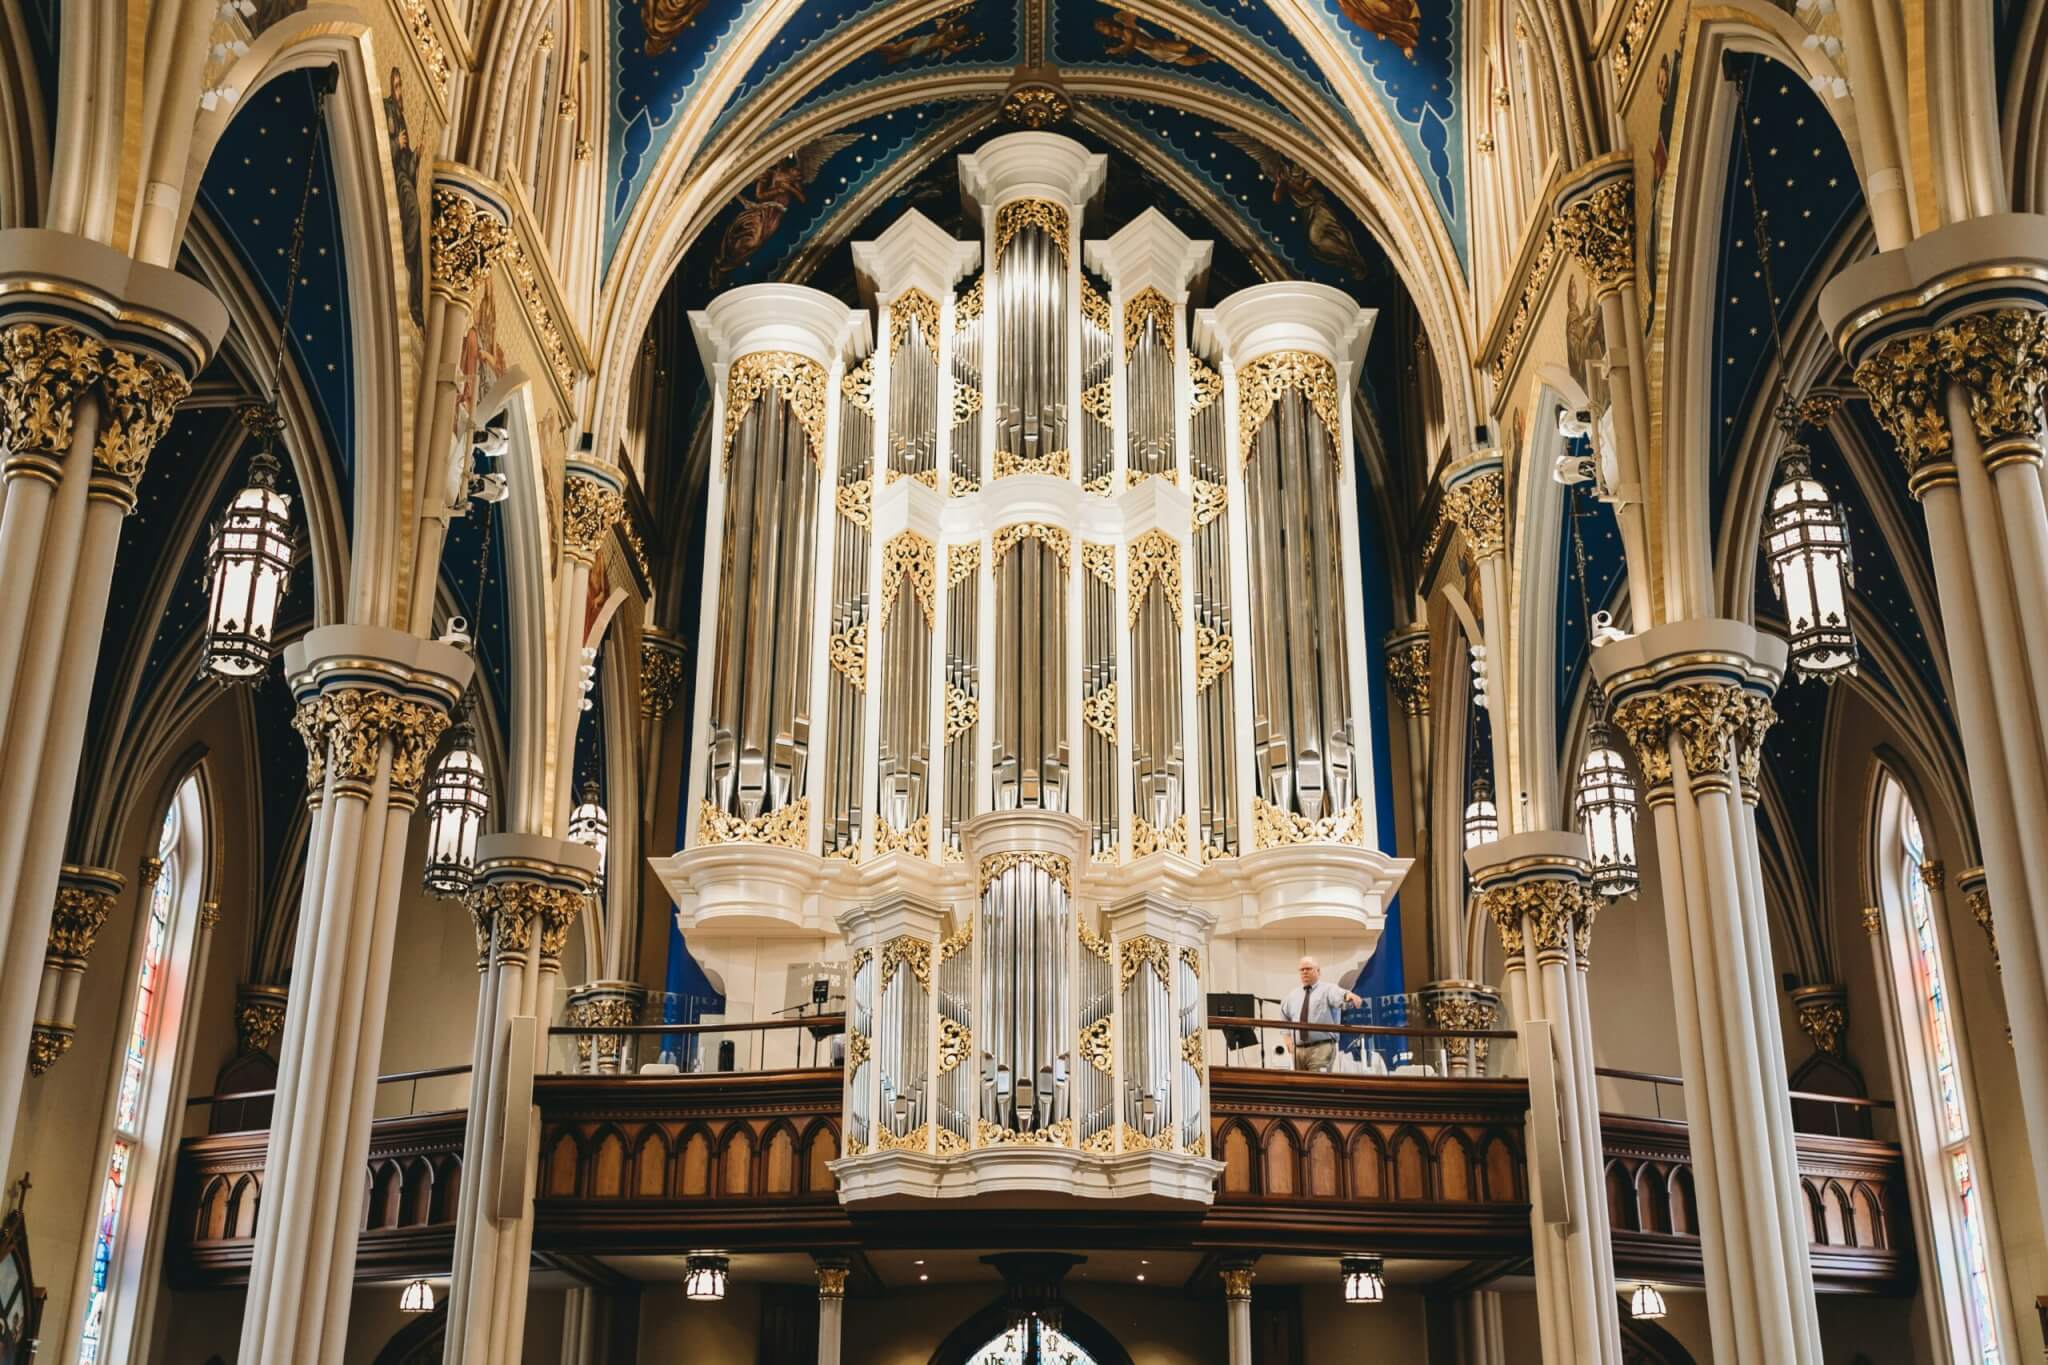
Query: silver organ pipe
[[847, 648], [1030, 733], [860, 1062], [1099, 695], [1031, 269], [1215, 649], [1159, 818], [908, 618], [1098, 380], [914, 387], [1095, 1066], [1301, 688], [968, 469], [963, 687], [1149, 384], [1026, 985]]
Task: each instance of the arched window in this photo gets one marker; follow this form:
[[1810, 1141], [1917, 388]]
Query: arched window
[[1938, 1116], [121, 1258], [1031, 1343]]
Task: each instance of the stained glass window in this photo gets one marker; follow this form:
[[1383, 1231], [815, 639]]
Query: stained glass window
[[145, 1018], [1949, 1123], [1031, 1343]]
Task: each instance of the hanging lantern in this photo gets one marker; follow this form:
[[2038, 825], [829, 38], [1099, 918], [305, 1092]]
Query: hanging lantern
[[1363, 1280], [1607, 811], [457, 801], [248, 567], [1807, 543], [417, 1297], [1646, 1304], [704, 1277], [1482, 818], [588, 824]]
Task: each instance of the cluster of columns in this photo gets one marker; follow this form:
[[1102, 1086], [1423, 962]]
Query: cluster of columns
[[96, 352], [1948, 336]]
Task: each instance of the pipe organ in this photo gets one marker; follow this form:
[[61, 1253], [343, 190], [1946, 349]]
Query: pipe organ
[[1075, 575]]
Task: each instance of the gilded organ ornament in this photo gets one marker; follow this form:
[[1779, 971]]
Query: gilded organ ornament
[[1276, 828], [1147, 306], [798, 380], [1052, 865], [1095, 1045], [1057, 463], [1055, 539], [783, 827], [848, 652], [1043, 214], [914, 306], [1154, 558], [1263, 382], [1098, 711], [909, 557], [1141, 951], [906, 950]]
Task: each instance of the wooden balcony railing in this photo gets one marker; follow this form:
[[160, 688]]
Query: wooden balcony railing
[[1409, 1165]]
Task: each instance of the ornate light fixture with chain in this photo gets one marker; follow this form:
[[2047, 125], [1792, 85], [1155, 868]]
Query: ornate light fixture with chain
[[1606, 797]]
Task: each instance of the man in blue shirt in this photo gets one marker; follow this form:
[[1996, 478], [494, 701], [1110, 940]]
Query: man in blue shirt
[[1317, 1002]]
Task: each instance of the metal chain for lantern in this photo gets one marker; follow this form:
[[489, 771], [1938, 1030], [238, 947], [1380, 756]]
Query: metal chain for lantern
[[1482, 816], [1806, 539], [458, 797], [249, 555], [1606, 798]]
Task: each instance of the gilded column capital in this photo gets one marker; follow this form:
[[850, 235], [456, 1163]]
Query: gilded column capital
[[46, 1043], [1822, 1011], [661, 674], [344, 730], [1715, 722], [1535, 888], [1977, 895], [464, 244], [602, 1004], [1237, 1281], [831, 1280], [1933, 875], [1499, 905], [2000, 358], [1468, 1005], [85, 897], [140, 395], [44, 369], [1904, 381], [1477, 507], [1408, 670], [528, 887], [259, 1016], [591, 506], [1599, 231]]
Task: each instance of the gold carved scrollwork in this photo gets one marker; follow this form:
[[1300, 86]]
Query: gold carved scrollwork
[[857, 1050], [798, 380], [909, 555], [917, 1139], [956, 1044], [1154, 557], [1237, 1282], [1100, 560], [42, 372], [848, 652], [1044, 214], [1628, 43], [1408, 674], [589, 511], [1056, 463], [1206, 384], [1053, 865], [1096, 1044], [915, 840], [1054, 537], [1823, 1019], [1212, 500], [966, 402], [1098, 712], [963, 712], [910, 951], [1143, 950], [957, 942], [1098, 487], [1094, 307], [142, 395], [1262, 383], [1192, 1053], [1035, 106], [857, 385], [465, 245], [914, 305], [1091, 942], [961, 562], [1538, 280], [1147, 840], [855, 501], [1276, 828], [989, 1134], [1096, 401], [1599, 231], [783, 827], [345, 728], [75, 923], [1147, 305], [967, 305]]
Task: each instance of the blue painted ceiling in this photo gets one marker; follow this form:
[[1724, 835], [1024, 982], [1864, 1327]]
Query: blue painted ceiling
[[1606, 568], [662, 49]]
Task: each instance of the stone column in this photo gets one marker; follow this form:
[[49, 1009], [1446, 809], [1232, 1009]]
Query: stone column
[[1477, 1328], [1953, 354], [1694, 698], [1534, 888], [1408, 678], [96, 353], [528, 892], [372, 704], [1237, 1306], [1460, 1005], [831, 1309], [85, 896], [1475, 502]]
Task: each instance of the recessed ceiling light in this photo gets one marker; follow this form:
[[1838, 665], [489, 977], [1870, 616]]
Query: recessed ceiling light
[[924, 1277], [1141, 1277], [917, 1262]]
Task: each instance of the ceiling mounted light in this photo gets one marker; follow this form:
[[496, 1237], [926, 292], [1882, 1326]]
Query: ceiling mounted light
[[457, 801], [1646, 1304], [417, 1297], [704, 1277], [1364, 1279]]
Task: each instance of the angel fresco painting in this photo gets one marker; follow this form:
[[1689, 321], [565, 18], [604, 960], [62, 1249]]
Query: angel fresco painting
[[664, 22], [1397, 21], [1329, 240], [950, 35], [1660, 161], [1128, 36], [775, 191], [405, 173]]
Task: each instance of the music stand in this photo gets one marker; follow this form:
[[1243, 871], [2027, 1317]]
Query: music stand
[[1235, 1005]]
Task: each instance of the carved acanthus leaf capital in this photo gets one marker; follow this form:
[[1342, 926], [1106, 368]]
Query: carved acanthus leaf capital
[[464, 245], [2001, 359], [590, 508], [1408, 674], [1478, 508], [1903, 380], [1599, 231]]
